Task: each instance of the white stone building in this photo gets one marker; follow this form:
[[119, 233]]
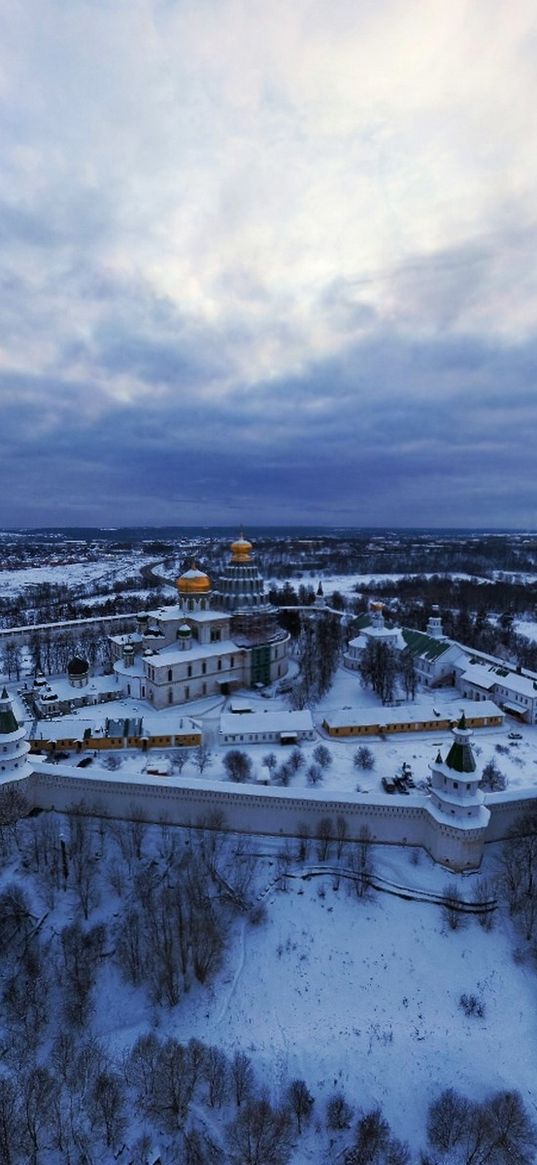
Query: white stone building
[[279, 727], [210, 643]]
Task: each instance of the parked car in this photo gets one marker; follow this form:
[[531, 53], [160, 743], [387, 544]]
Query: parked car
[[514, 736], [387, 785], [83, 764]]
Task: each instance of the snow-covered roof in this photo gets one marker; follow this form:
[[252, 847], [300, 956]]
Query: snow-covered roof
[[170, 655], [416, 713], [489, 677], [259, 722], [478, 674]]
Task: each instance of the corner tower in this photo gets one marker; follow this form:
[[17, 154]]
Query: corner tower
[[457, 804], [14, 747]]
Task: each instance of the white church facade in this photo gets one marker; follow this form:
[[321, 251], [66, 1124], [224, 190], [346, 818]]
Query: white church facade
[[211, 642]]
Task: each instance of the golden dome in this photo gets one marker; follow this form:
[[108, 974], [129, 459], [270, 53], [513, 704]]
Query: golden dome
[[241, 549], [193, 582]]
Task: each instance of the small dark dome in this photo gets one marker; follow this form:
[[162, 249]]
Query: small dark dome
[[77, 666]]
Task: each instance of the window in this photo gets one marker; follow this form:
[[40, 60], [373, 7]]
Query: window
[[170, 696], [204, 668], [219, 665], [189, 670], [187, 693], [169, 675]]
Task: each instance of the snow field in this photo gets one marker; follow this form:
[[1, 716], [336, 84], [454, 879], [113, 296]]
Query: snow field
[[364, 996]]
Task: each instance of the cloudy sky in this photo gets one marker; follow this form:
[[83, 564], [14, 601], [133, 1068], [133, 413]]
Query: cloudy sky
[[268, 262]]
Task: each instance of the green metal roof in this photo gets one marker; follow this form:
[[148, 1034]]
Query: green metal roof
[[419, 643], [8, 722], [460, 757]]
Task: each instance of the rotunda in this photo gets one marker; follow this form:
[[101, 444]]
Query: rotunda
[[241, 588]]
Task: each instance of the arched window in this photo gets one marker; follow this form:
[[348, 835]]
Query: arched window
[[169, 675]]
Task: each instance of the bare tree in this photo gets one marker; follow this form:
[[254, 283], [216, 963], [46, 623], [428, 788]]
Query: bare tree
[[260, 1135], [303, 835], [324, 834], [322, 756], [202, 757], [341, 834], [238, 765], [301, 1101], [82, 863], [518, 872], [338, 1112], [130, 950], [11, 1120], [242, 1075], [270, 762], [363, 758], [499, 1129], [216, 1074], [178, 1071], [141, 1068], [180, 759], [451, 908], [13, 807], [107, 1107], [37, 1089]]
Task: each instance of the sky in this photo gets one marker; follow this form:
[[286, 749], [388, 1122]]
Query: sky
[[268, 263]]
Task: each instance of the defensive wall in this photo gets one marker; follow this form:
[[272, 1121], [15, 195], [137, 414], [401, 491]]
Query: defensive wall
[[109, 624], [390, 820]]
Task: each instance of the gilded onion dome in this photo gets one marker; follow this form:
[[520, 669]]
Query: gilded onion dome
[[193, 582], [241, 549]]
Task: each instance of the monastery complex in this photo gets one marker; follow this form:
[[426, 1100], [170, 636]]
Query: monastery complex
[[220, 638]]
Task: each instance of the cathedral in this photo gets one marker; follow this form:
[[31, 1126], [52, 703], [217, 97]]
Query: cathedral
[[211, 642]]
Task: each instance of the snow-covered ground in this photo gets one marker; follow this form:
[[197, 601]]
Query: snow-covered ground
[[107, 569], [526, 627], [358, 995], [349, 584], [365, 996]]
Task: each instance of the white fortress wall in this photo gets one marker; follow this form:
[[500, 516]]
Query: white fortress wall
[[391, 820], [506, 808]]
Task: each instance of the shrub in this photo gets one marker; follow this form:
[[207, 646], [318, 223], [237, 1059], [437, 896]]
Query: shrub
[[492, 778], [472, 1006], [364, 759]]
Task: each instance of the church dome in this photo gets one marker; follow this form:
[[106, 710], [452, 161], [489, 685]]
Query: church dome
[[77, 666], [193, 582], [241, 549]]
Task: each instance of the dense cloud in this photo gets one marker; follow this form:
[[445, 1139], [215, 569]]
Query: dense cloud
[[268, 263]]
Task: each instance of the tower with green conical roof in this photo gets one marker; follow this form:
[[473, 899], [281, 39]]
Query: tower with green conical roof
[[457, 804], [14, 747]]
